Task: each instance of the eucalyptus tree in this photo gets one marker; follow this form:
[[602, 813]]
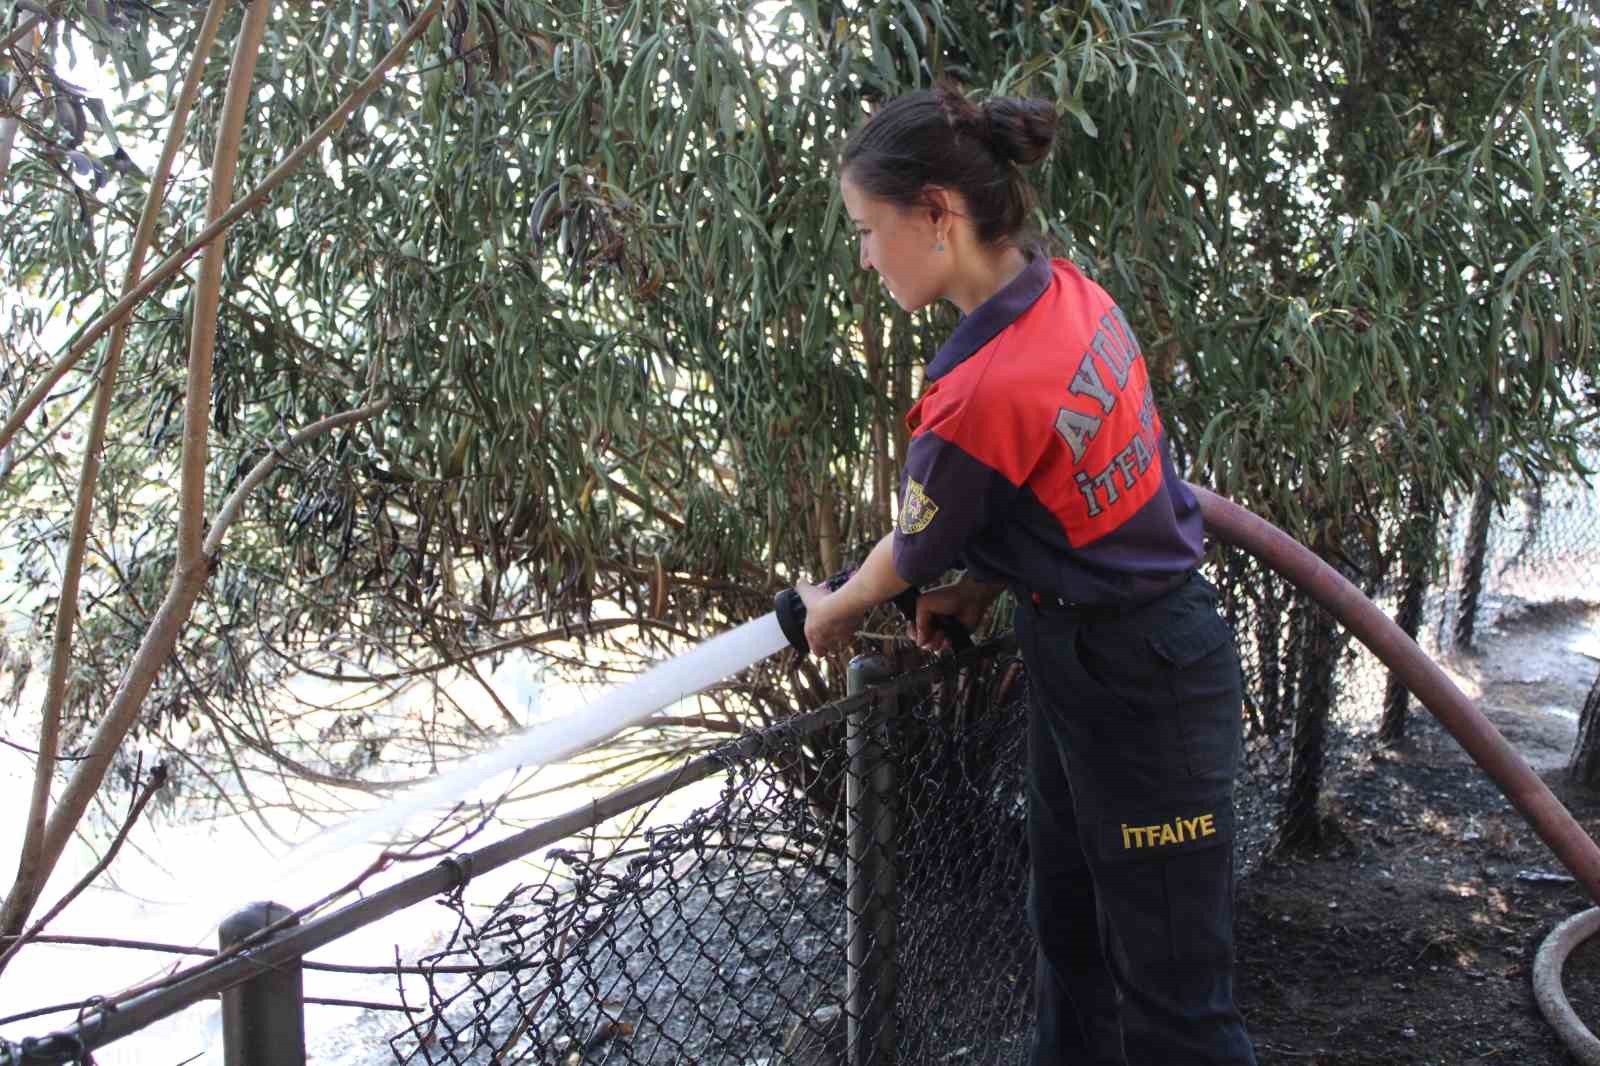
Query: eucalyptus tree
[[591, 256]]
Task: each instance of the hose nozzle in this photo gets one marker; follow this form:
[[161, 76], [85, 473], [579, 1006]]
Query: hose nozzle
[[791, 612]]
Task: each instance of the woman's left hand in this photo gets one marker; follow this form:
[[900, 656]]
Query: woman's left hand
[[830, 622]]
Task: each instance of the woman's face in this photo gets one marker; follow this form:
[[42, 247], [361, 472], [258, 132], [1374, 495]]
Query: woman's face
[[898, 242]]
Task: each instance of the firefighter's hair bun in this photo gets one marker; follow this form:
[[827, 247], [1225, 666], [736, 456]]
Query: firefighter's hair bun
[[1020, 130], [1016, 129]]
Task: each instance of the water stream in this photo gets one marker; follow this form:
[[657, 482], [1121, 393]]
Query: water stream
[[355, 841]]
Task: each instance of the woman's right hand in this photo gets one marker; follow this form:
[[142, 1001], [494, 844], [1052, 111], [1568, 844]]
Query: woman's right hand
[[966, 600]]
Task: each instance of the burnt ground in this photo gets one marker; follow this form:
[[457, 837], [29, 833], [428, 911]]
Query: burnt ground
[[1410, 938]]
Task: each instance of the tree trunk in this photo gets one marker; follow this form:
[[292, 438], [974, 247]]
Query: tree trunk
[[1396, 697], [1472, 575], [1584, 766], [883, 478], [1269, 646], [828, 531], [44, 770], [1416, 568], [1301, 824]]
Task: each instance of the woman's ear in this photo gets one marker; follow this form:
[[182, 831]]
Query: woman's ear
[[936, 199]]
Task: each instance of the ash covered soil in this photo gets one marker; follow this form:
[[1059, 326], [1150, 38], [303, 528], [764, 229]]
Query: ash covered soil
[[1410, 937]]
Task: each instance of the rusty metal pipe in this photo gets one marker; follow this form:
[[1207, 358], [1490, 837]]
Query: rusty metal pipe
[[1547, 815]]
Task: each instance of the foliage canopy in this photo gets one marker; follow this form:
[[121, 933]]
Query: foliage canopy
[[594, 251]]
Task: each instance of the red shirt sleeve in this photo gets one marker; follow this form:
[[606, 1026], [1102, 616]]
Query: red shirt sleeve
[[948, 496]]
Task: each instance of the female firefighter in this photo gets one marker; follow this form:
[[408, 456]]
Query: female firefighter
[[1037, 462]]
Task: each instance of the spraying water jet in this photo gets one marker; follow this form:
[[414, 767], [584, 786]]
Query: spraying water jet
[[617, 709]]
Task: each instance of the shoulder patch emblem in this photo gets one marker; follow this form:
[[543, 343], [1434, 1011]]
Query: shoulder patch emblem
[[917, 509]]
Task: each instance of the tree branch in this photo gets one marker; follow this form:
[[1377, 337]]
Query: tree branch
[[208, 286], [15, 37], [229, 511], [44, 768], [8, 126]]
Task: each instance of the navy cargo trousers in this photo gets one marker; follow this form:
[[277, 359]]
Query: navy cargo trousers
[[1134, 739]]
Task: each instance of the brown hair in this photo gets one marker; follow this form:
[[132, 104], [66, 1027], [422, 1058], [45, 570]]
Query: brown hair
[[939, 137]]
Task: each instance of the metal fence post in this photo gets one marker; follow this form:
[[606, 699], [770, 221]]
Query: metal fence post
[[263, 1019], [870, 875]]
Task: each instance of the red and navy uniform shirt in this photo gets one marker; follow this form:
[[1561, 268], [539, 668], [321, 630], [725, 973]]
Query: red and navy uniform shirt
[[1037, 456]]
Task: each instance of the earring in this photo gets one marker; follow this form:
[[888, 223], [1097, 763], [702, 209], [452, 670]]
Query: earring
[[940, 246]]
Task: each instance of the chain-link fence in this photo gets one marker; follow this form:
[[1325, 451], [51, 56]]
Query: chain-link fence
[[1542, 546], [851, 887], [738, 934], [749, 932]]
